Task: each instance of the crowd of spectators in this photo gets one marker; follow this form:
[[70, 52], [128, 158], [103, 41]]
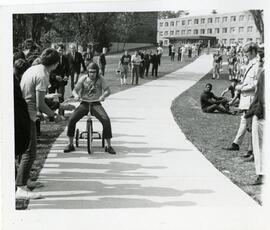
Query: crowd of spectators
[[139, 64], [187, 50], [246, 73], [40, 78]]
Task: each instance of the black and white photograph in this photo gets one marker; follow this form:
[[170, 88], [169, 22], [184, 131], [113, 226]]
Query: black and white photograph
[[134, 115]]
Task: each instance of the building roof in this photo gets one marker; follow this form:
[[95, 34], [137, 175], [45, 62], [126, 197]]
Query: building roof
[[196, 37]]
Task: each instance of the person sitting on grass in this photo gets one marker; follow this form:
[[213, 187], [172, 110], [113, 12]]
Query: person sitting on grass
[[211, 103], [235, 94], [91, 87]]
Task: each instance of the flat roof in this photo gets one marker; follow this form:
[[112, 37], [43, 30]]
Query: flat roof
[[198, 37]]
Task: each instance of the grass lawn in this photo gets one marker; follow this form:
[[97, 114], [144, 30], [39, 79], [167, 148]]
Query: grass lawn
[[210, 132], [50, 130]]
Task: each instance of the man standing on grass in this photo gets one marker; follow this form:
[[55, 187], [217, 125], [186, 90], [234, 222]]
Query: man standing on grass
[[102, 61], [247, 90], [155, 63], [75, 61], [255, 121], [160, 52], [34, 84], [136, 62], [125, 62], [217, 63]]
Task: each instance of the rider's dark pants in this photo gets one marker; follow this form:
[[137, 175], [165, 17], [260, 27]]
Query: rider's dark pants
[[96, 110], [27, 158]]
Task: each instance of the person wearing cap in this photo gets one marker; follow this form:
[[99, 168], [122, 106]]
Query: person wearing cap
[[34, 84], [247, 89], [75, 61], [91, 87]]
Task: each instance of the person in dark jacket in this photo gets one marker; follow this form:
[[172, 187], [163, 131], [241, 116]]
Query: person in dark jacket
[[59, 77], [155, 63], [146, 62], [75, 61], [21, 115], [102, 61]]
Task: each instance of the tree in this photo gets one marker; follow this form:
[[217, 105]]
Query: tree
[[172, 14], [258, 20]]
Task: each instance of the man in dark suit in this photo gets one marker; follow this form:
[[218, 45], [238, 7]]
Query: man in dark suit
[[75, 61], [155, 63], [59, 77]]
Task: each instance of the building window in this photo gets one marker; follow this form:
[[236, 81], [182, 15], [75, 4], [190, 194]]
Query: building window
[[249, 17], [183, 22], [189, 21], [172, 23], [233, 18], [196, 21], [224, 41], [232, 30], [177, 32], [177, 23], [232, 40], [202, 20], [195, 31], [165, 42], [161, 24], [209, 31], [210, 20], [241, 29], [217, 30], [224, 30], [189, 32], [217, 20], [166, 23], [160, 34], [171, 33], [202, 31], [241, 18], [240, 40], [166, 33], [249, 29], [183, 32], [224, 19]]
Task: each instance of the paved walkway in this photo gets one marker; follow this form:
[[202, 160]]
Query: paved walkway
[[155, 165]]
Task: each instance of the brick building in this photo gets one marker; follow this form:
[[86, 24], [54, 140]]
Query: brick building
[[226, 28]]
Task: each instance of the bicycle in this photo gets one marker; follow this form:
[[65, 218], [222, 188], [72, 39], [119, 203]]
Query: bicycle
[[89, 133]]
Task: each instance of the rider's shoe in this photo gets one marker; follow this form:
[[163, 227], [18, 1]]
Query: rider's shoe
[[23, 193], [110, 150], [69, 148]]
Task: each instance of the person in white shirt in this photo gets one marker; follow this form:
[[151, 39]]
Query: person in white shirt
[[34, 84], [136, 62], [160, 52]]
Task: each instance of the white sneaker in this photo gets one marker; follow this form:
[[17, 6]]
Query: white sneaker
[[23, 193]]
